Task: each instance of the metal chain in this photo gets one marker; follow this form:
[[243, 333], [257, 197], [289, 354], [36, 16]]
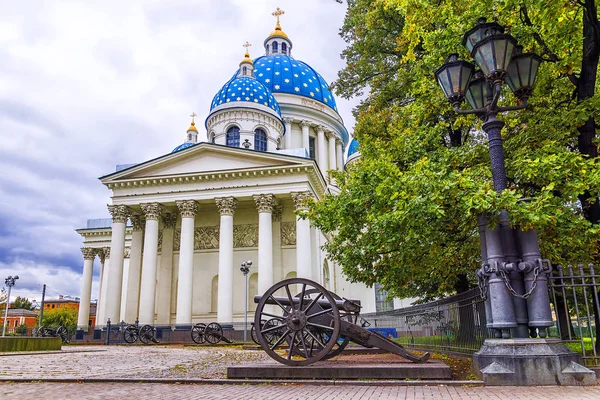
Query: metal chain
[[482, 282], [536, 272]]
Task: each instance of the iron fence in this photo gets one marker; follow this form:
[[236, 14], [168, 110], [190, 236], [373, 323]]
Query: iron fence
[[574, 294]]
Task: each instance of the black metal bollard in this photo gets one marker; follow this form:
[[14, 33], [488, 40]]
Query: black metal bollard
[[107, 338]]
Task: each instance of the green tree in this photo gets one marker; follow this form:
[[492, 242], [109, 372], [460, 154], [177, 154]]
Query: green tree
[[406, 215], [64, 316], [23, 303], [2, 299]]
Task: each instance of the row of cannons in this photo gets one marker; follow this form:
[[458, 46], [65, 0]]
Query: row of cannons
[[297, 322]]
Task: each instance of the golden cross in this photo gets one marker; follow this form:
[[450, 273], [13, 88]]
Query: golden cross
[[277, 13], [193, 115], [246, 45]]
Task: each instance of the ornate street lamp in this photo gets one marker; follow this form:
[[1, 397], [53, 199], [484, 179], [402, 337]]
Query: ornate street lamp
[[504, 272], [245, 268], [9, 282]]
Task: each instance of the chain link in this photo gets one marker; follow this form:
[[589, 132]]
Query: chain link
[[482, 282], [504, 276]]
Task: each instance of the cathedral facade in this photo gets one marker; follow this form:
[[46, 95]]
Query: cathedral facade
[[182, 223]]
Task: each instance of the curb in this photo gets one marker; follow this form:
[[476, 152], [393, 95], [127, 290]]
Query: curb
[[245, 381]]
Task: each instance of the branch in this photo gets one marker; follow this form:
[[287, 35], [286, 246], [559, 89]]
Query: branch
[[553, 57]]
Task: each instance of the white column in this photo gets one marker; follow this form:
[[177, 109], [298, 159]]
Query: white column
[[226, 207], [86, 287], [148, 287], [340, 155], [277, 270], [126, 255], [101, 304], [287, 139], [135, 266], [303, 248], [265, 204], [321, 152], [305, 142], [115, 277], [163, 308], [331, 159], [185, 283]]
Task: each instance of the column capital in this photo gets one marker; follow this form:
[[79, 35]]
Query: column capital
[[330, 134], [127, 252], [264, 202], [338, 142], [88, 253], [152, 210], [288, 120], [226, 205], [119, 213], [137, 221], [187, 208], [277, 212], [300, 199], [320, 128], [105, 252], [305, 123], [169, 220]]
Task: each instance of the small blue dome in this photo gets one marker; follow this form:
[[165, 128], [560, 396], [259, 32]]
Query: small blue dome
[[245, 89], [283, 74], [353, 147], [183, 146]]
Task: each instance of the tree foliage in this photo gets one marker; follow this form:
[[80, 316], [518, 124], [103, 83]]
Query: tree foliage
[[65, 316], [406, 215], [23, 303]]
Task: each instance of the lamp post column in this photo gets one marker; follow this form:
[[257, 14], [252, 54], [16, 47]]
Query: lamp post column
[[226, 207], [86, 287]]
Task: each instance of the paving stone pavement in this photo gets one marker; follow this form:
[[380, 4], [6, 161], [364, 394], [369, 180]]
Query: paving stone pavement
[[104, 391]]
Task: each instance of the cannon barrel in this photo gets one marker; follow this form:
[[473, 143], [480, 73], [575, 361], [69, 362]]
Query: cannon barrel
[[344, 305]]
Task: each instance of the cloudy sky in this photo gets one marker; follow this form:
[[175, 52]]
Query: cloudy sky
[[88, 85]]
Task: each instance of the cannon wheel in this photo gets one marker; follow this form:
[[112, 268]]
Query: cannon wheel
[[198, 333], [339, 346], [63, 333], [146, 334], [213, 333], [131, 334], [253, 334], [298, 322]]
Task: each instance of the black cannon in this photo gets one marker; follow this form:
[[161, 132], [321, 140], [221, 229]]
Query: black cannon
[[211, 333], [133, 332], [312, 324], [61, 332]]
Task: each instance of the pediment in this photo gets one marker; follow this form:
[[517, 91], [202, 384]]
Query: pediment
[[205, 157]]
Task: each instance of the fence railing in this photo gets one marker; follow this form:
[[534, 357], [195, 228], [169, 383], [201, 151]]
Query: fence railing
[[574, 294]]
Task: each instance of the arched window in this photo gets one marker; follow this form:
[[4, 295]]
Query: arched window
[[245, 71], [233, 136], [190, 136], [267, 49], [275, 47], [260, 140], [283, 48]]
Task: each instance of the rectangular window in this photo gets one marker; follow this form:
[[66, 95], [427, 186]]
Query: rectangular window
[[311, 147]]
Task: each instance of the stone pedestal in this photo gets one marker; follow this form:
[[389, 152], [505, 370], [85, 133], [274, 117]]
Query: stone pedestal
[[530, 362]]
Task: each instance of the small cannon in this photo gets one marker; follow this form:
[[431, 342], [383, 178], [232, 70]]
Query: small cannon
[[312, 324], [61, 332], [211, 333], [146, 334]]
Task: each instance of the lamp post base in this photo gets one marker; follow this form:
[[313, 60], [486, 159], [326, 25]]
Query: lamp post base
[[530, 362]]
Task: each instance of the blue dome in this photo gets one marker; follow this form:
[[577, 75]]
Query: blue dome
[[183, 146], [353, 147], [283, 74], [245, 89]]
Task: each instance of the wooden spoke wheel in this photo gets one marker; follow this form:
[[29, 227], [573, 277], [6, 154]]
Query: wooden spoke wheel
[[308, 322], [146, 334], [63, 333], [198, 333], [213, 333], [253, 334], [131, 334]]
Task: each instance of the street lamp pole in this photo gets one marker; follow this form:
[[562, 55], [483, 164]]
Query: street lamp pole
[[9, 282], [245, 268], [516, 282]]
